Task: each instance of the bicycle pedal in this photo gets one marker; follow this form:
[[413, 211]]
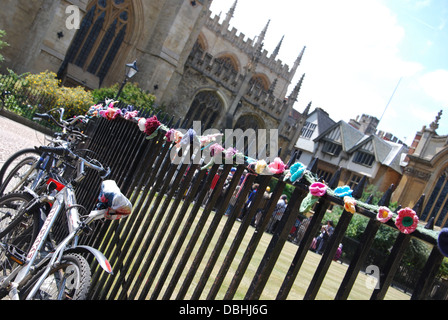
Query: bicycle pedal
[[16, 255]]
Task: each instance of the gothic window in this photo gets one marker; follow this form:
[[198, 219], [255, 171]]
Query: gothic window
[[206, 108], [437, 205], [259, 82], [103, 30], [228, 63]]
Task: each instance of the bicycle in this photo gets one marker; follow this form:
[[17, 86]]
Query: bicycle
[[33, 266], [27, 167]]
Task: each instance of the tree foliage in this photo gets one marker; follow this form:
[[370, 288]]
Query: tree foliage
[[132, 95], [2, 44]]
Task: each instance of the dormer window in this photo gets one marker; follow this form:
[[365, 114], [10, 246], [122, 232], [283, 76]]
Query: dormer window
[[331, 148], [364, 158]]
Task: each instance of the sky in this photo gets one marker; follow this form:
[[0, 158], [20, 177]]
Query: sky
[[384, 58]]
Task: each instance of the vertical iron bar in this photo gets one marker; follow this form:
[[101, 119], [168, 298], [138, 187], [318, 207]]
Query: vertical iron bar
[[319, 212], [255, 240], [391, 266], [201, 252], [429, 273], [235, 243], [190, 246], [275, 246]]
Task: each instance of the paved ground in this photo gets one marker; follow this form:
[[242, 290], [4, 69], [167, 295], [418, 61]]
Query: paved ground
[[15, 136]]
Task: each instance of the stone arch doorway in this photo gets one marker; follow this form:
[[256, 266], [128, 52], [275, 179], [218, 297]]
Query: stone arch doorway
[[208, 108], [253, 140], [249, 121]]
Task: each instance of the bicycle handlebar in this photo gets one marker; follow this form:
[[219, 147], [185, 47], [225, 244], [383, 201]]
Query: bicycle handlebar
[[65, 152], [63, 123]]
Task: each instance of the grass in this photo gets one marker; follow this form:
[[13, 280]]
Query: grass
[[329, 287]]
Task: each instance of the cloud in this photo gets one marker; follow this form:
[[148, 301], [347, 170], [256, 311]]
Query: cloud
[[435, 85]]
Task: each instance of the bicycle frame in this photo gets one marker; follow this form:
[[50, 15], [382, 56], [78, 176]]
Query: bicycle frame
[[64, 199]]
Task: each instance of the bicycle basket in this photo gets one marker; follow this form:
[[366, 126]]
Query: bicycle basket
[[111, 198]]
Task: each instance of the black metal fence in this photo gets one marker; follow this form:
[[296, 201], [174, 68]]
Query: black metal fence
[[179, 244]]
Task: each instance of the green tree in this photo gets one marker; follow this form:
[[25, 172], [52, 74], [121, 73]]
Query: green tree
[[2, 44], [132, 94]]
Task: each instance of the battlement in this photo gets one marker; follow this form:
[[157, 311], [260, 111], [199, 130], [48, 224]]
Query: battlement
[[248, 46]]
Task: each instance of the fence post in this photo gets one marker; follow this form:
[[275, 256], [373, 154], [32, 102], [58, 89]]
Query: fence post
[[394, 259], [362, 250], [254, 241], [275, 246], [429, 273], [332, 246], [313, 227]]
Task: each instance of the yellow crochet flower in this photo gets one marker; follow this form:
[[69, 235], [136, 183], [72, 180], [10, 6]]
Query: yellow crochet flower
[[260, 166]]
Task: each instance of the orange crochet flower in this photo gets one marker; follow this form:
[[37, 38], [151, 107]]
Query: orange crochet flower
[[349, 204]]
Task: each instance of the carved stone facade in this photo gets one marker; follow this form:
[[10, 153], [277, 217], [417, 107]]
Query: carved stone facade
[[426, 174], [185, 57]]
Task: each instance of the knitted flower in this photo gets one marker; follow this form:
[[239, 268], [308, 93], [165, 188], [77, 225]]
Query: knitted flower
[[188, 137], [343, 191], [230, 153], [296, 171], [260, 166], [170, 135], [277, 166], [349, 204], [141, 124], [128, 115], [442, 241], [406, 221], [318, 189], [204, 140], [384, 214], [151, 125], [177, 137], [216, 149]]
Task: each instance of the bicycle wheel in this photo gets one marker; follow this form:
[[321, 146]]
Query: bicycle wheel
[[21, 176], [12, 161], [18, 229], [69, 280]]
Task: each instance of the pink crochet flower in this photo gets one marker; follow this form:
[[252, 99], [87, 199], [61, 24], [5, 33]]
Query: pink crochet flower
[[407, 220], [384, 214], [151, 125], [216, 149], [318, 189], [170, 135], [277, 166], [230, 153]]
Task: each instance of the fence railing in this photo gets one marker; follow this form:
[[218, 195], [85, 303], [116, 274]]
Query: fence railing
[[179, 244], [25, 101]]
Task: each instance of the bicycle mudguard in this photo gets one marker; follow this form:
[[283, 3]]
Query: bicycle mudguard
[[104, 263]]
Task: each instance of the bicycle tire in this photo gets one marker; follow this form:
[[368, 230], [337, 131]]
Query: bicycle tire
[[19, 229], [10, 184], [77, 275], [12, 161]]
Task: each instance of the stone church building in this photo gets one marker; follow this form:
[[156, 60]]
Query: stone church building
[[198, 67], [193, 63]]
